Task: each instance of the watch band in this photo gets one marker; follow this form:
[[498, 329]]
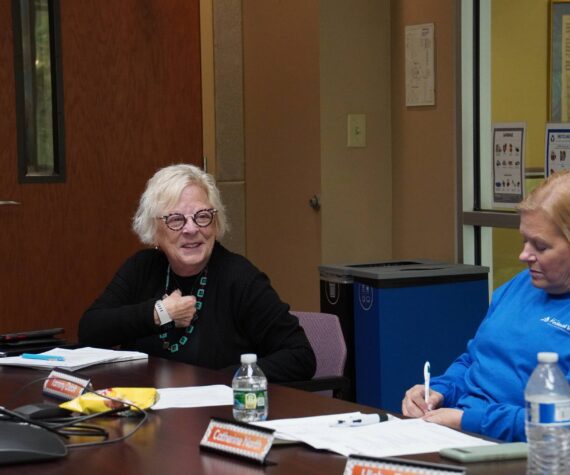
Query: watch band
[[163, 315]]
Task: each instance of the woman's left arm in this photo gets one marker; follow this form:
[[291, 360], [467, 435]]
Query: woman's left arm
[[500, 421]]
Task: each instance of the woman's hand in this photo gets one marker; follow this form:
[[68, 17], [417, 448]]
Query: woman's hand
[[445, 417], [414, 404], [180, 308]]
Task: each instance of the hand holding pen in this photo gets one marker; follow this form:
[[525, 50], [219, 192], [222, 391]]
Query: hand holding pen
[[421, 398]]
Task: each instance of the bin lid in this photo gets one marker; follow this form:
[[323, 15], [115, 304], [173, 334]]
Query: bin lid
[[406, 269]]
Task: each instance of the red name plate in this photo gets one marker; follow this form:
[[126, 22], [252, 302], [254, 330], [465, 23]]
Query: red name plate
[[242, 440], [395, 466]]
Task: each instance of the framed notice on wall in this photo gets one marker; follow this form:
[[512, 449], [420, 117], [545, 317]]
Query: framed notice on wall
[[508, 164], [420, 65]]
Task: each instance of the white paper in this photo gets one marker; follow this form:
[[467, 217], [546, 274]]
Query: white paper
[[74, 359], [385, 439], [194, 396]]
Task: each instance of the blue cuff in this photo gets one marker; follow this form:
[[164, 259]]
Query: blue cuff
[[471, 420]]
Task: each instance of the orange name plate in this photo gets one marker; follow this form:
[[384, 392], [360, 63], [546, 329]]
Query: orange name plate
[[238, 439], [357, 465]]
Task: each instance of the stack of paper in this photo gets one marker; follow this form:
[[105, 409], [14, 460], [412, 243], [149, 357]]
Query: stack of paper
[[72, 359], [384, 439], [194, 396]]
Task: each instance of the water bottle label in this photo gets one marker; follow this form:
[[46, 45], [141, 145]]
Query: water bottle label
[[548, 413], [249, 399]]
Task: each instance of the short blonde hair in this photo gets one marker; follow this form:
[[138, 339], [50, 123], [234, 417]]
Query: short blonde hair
[[163, 191], [553, 197]]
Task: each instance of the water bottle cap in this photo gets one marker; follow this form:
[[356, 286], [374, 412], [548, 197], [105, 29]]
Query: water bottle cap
[[547, 357], [248, 358]]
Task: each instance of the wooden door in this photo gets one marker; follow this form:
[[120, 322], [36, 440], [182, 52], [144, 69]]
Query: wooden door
[[282, 143], [132, 104]]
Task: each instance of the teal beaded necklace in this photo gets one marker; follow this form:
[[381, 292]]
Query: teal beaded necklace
[[202, 280]]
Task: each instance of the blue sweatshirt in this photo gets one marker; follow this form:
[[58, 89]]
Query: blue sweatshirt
[[487, 381]]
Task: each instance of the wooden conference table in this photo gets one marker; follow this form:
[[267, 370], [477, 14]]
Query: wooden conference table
[[168, 443]]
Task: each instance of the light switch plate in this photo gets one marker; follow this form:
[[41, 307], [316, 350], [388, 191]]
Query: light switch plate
[[356, 130]]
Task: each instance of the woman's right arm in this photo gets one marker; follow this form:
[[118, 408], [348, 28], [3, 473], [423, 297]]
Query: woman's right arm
[[123, 312]]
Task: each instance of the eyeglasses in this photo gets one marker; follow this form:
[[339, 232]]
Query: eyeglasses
[[201, 218]]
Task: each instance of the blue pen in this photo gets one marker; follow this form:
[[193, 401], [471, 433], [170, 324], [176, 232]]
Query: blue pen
[[34, 356]]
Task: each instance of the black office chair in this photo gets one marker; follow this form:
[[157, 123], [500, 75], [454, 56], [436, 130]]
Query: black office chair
[[324, 333]]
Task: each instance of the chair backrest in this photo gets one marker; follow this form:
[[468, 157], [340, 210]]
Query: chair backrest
[[324, 333]]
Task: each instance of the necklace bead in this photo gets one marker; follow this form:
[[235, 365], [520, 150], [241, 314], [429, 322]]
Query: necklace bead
[[202, 280]]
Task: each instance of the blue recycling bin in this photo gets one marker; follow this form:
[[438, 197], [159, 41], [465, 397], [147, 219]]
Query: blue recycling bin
[[407, 313]]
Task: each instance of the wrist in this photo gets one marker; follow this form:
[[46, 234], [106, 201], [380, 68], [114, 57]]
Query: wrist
[[165, 321]]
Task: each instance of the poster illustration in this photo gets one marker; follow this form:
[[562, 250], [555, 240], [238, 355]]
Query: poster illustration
[[508, 164]]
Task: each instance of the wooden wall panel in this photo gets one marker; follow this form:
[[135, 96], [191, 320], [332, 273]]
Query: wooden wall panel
[[132, 104]]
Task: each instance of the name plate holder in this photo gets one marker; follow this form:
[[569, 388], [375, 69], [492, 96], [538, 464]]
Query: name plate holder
[[359, 465], [66, 385], [238, 439]]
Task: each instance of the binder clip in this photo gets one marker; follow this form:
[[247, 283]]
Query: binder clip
[[63, 384]]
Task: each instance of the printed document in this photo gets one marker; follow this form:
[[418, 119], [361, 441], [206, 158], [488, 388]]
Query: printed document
[[384, 439]]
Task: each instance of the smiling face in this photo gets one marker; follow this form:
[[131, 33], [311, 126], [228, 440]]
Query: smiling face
[[546, 251], [189, 249]]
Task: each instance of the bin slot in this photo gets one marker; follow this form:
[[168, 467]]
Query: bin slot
[[386, 264], [422, 268]]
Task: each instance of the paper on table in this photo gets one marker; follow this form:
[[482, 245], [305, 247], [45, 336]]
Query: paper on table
[[385, 439], [194, 396], [74, 359]]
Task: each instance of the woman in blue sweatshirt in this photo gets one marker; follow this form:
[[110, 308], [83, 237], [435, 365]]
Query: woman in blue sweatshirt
[[483, 390]]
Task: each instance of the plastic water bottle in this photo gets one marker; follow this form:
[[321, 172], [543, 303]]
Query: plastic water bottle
[[250, 391], [547, 397]]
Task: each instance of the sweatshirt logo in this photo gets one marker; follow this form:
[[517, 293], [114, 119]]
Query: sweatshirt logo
[[556, 323]]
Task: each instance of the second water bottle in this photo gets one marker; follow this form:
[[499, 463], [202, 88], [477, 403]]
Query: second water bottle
[[547, 397]]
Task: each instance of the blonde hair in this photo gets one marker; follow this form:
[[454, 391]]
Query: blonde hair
[[552, 196], [163, 190]]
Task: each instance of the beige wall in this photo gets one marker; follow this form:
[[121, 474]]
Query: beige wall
[[356, 183], [423, 141], [519, 66]]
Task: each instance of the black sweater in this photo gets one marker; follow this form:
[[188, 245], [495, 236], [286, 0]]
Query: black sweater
[[241, 313]]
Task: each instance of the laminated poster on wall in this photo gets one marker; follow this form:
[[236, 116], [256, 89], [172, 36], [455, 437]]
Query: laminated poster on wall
[[557, 144], [508, 164]]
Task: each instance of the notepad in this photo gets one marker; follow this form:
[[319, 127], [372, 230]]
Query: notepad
[[74, 359]]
